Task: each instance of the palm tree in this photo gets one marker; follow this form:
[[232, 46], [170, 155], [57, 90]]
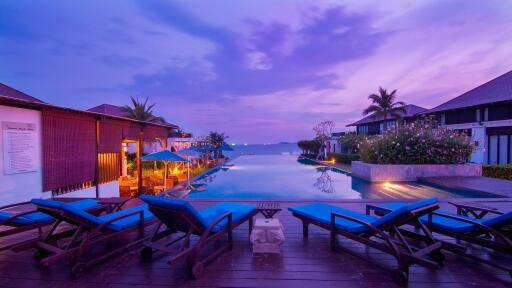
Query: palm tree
[[141, 111], [216, 139], [384, 105]]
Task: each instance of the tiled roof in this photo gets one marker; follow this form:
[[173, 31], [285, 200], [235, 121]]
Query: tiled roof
[[108, 109], [10, 92], [497, 90], [410, 111], [117, 111]]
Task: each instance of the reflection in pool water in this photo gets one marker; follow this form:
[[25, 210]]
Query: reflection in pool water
[[284, 177]]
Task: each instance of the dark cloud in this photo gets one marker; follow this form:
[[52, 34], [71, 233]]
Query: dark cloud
[[268, 58]]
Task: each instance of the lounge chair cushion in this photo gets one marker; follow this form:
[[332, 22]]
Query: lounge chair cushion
[[130, 221], [321, 212], [450, 224], [179, 205], [506, 218], [404, 209], [67, 207], [238, 212], [27, 219], [40, 217], [437, 220], [118, 225]]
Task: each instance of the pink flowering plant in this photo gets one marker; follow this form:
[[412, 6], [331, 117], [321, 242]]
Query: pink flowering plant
[[420, 142]]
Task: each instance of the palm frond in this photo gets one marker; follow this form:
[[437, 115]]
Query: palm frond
[[372, 109]]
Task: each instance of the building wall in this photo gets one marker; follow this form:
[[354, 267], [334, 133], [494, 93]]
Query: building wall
[[480, 139], [177, 144], [25, 186], [106, 190]]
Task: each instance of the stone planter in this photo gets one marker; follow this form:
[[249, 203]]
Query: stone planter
[[411, 172]]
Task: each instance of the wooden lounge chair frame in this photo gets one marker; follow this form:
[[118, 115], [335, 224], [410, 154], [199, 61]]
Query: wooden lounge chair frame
[[16, 228], [498, 238], [391, 240], [178, 221], [85, 236]]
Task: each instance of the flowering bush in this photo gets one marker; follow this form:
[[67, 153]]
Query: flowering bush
[[421, 142]]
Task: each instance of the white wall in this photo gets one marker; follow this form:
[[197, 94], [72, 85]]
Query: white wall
[[110, 189], [479, 151], [24, 186], [106, 190]]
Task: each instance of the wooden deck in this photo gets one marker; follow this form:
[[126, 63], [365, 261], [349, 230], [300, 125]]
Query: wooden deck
[[303, 263]]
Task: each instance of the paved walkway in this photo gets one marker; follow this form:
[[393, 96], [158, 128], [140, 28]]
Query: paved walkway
[[473, 184]]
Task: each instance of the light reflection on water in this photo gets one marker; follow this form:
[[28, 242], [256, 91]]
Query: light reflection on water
[[283, 177]]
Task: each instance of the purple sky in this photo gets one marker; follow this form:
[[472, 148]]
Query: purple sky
[[261, 71]]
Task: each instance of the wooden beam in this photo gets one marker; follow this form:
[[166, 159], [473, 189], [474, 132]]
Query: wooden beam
[[140, 150], [96, 163]]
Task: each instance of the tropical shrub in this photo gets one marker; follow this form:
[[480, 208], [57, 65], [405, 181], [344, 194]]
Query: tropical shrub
[[352, 141], [420, 142], [498, 171], [343, 157], [309, 147]]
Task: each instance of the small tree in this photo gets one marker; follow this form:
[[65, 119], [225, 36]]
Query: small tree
[[323, 132], [216, 140], [309, 146], [303, 145]]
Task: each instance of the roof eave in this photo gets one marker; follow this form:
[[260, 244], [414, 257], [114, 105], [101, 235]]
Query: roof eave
[[39, 105]]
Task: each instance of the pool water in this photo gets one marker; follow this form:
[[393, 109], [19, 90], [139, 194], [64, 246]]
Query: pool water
[[285, 177]]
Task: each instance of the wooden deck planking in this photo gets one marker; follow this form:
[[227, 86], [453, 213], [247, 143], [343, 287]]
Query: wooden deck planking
[[303, 263]]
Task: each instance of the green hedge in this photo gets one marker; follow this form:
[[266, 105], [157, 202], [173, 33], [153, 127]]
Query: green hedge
[[343, 158], [498, 171]]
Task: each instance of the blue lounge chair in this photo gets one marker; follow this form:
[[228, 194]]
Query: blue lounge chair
[[471, 224], [12, 223], [382, 233], [90, 230], [210, 224]]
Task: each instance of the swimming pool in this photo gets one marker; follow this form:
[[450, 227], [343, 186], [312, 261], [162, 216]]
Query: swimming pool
[[284, 177]]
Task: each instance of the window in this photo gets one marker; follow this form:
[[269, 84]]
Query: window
[[460, 116], [493, 149], [503, 149], [499, 112]]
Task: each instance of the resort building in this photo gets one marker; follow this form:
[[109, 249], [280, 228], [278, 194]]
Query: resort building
[[373, 124], [485, 114], [333, 146], [52, 151]]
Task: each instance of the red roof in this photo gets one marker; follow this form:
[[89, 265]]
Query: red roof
[[108, 109], [497, 90], [10, 92], [117, 111]]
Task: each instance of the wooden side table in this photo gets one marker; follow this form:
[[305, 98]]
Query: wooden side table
[[114, 203], [268, 209]]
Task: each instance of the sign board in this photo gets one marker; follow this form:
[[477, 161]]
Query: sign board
[[20, 151]]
